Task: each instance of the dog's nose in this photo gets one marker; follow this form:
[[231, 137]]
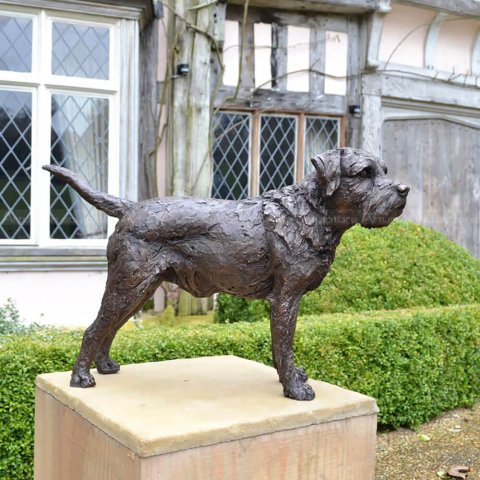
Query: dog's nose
[[403, 190]]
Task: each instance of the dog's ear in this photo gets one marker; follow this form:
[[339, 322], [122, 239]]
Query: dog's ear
[[328, 169]]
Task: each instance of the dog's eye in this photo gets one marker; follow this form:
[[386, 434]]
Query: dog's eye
[[367, 172]]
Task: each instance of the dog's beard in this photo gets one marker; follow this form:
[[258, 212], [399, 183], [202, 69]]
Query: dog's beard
[[382, 209]]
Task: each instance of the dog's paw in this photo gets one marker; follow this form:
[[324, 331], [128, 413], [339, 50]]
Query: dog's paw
[[82, 380], [300, 392], [301, 374], [107, 366]]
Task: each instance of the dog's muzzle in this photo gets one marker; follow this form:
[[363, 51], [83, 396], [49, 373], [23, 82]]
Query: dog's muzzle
[[386, 205]]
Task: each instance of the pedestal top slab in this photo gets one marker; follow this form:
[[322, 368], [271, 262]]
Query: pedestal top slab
[[161, 407]]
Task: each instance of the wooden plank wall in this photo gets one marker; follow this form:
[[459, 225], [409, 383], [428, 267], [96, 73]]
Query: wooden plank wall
[[440, 160]]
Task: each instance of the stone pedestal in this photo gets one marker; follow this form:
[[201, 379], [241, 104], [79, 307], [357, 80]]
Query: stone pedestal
[[212, 418]]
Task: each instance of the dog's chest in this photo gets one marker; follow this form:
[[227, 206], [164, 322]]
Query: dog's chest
[[306, 272], [318, 269]]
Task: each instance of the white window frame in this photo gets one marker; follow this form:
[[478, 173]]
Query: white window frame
[[42, 84]]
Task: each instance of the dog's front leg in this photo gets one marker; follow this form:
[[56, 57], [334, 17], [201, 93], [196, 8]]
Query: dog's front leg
[[283, 318]]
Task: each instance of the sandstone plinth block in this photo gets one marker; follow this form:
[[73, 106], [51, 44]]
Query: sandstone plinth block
[[211, 418]]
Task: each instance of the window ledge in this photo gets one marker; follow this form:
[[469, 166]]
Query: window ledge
[[18, 259], [46, 264]]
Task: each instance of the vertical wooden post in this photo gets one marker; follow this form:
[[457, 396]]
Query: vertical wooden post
[[279, 57], [190, 159], [147, 181], [371, 127], [247, 71], [317, 61], [190, 109], [356, 56]]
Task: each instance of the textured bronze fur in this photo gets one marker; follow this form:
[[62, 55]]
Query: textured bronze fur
[[277, 246]]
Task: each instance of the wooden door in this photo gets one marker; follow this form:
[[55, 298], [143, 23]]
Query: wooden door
[[440, 160]]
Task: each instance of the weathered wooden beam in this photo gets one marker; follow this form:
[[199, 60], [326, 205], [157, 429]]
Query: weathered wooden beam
[[459, 7], [317, 61], [332, 6], [282, 101], [190, 160], [371, 114], [428, 90], [217, 29], [357, 40], [397, 109], [279, 56], [374, 34], [371, 129], [311, 20], [148, 128], [408, 71], [432, 38], [247, 69]]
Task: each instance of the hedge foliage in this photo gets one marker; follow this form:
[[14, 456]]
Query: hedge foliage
[[402, 266], [417, 363]]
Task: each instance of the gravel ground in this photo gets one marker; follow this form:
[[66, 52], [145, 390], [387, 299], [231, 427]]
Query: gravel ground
[[429, 452]]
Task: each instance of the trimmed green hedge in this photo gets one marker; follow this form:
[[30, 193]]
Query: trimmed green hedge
[[402, 266], [416, 363]]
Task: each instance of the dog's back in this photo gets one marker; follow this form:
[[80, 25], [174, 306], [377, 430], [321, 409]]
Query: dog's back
[[203, 245]]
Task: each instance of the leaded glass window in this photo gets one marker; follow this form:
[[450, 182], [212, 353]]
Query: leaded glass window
[[64, 112], [277, 151], [15, 164], [254, 152], [80, 50], [79, 142], [321, 134], [231, 155], [15, 44]]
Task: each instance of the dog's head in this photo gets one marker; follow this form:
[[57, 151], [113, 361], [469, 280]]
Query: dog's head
[[357, 189]]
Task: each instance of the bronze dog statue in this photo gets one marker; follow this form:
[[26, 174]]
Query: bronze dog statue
[[277, 246]]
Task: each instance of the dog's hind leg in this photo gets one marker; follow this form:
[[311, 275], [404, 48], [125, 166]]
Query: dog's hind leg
[[104, 363], [124, 295]]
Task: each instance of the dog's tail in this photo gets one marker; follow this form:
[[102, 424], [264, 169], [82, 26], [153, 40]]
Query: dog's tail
[[113, 206]]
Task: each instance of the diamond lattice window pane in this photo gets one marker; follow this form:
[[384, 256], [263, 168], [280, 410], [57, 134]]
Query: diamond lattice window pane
[[231, 155], [15, 44], [277, 151], [79, 142], [15, 164], [321, 134], [80, 51]]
